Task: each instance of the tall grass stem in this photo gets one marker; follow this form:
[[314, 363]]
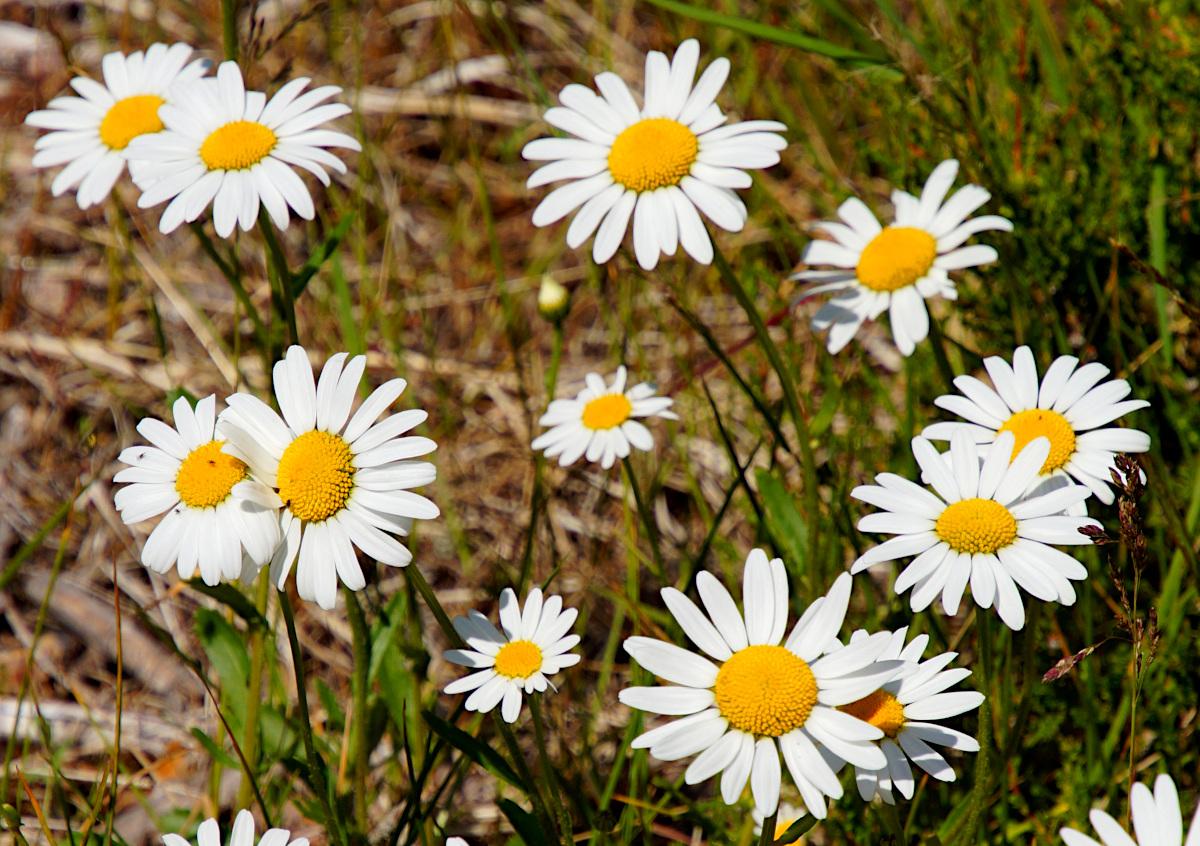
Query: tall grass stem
[[312, 761]]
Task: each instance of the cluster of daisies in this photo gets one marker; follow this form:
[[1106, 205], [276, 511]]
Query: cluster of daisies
[[250, 488], [191, 139], [319, 482]]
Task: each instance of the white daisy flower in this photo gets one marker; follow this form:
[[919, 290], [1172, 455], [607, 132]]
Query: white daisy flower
[[230, 147], [1067, 407], [242, 834], [533, 645], [657, 164], [599, 423], [981, 527], [91, 130], [1157, 820], [760, 699], [187, 475], [901, 709], [340, 484], [895, 269], [788, 814]]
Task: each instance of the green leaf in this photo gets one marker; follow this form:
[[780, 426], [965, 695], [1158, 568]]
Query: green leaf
[[829, 407], [798, 828], [230, 596], [301, 277], [226, 649], [785, 523], [766, 32], [337, 720], [218, 754], [474, 748], [524, 822]]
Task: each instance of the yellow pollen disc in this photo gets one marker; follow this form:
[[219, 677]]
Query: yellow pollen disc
[[207, 475], [881, 710], [316, 476], [976, 525], [765, 690], [896, 258], [653, 153], [519, 659], [607, 412], [237, 146], [1043, 423], [129, 118]]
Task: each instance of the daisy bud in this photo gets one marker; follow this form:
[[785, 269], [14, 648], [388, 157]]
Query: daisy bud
[[554, 300]]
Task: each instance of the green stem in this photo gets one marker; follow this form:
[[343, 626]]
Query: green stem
[[539, 462], [287, 291], [979, 790], [938, 341], [314, 764], [891, 821], [254, 697], [647, 518], [768, 830], [358, 738], [807, 459], [531, 786], [551, 783], [417, 579], [229, 28]]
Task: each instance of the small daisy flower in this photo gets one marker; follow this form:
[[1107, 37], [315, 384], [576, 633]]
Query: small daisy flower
[[599, 423], [340, 484], [981, 526], [901, 707], [788, 814], [91, 130], [1157, 820], [533, 645], [187, 475], [1067, 407], [242, 834], [895, 269], [230, 147], [657, 164], [761, 700]]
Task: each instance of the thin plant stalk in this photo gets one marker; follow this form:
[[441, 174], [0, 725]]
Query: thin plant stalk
[[647, 517], [358, 738], [807, 459], [979, 790], [539, 495], [283, 275], [548, 777], [938, 341], [312, 762], [229, 28], [891, 821], [767, 838], [254, 689]]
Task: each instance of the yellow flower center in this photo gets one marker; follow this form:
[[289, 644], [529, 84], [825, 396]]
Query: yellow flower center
[[237, 146], [607, 412], [1043, 423], [653, 153], [881, 710], [316, 476], [976, 525], [207, 475], [129, 118], [896, 258], [519, 659], [765, 690]]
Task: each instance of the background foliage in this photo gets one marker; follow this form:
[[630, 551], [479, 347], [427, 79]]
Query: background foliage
[[1081, 118]]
